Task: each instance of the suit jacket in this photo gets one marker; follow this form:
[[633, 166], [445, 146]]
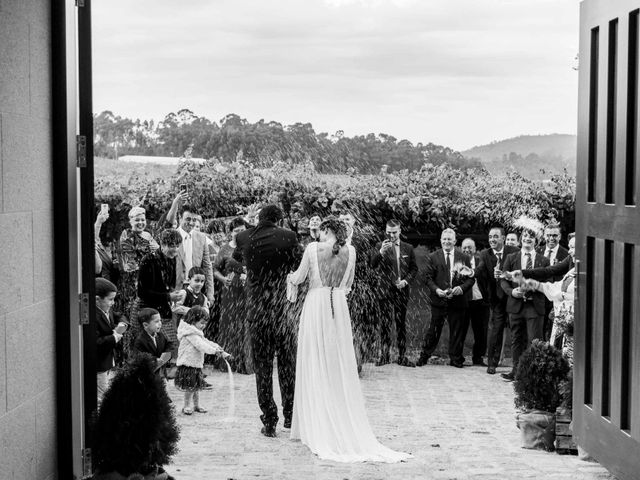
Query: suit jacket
[[438, 277], [199, 258], [144, 344], [105, 341], [545, 274], [153, 292], [484, 270], [386, 266], [269, 253], [481, 281], [514, 305]]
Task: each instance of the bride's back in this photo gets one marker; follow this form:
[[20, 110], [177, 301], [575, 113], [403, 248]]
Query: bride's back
[[332, 267]]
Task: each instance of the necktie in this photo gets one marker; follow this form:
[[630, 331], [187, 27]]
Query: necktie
[[499, 263], [529, 262], [547, 253], [396, 249], [449, 266]]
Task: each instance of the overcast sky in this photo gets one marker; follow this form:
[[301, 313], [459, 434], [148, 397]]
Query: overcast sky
[[454, 72]]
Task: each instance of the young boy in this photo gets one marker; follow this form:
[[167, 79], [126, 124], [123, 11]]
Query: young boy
[[110, 328], [192, 294], [151, 340]]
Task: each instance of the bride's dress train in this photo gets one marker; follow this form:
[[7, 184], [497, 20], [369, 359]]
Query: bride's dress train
[[329, 414]]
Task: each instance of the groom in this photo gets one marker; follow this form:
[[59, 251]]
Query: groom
[[270, 252]]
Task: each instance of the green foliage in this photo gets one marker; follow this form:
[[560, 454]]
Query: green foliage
[[264, 144], [540, 378], [428, 200]]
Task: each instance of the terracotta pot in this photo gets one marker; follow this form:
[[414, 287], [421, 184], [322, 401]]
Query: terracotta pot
[[537, 429]]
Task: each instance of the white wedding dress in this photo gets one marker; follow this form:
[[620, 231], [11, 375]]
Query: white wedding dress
[[328, 412]]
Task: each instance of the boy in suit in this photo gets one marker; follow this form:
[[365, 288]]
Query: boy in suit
[[151, 340], [525, 309]]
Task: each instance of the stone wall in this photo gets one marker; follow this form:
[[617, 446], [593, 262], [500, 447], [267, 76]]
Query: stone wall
[[27, 361]]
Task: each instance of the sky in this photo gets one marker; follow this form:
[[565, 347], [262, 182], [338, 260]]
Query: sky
[[457, 73]]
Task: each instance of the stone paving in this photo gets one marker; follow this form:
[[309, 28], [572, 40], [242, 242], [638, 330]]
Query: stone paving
[[458, 423]]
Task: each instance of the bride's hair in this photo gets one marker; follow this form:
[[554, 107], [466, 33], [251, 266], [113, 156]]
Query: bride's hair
[[339, 229]]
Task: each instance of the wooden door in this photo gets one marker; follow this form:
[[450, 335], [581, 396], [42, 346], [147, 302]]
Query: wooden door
[[607, 352]]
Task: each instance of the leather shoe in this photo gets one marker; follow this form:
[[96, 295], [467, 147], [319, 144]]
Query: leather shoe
[[507, 376], [480, 364], [382, 361], [287, 423], [268, 431], [456, 364], [491, 370], [405, 362]]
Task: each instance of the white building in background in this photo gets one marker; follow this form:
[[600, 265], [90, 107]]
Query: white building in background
[[157, 160]]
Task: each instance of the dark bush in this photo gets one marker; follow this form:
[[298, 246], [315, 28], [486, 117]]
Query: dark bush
[[539, 378]]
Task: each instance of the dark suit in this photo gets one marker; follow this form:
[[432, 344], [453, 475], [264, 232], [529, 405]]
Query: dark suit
[[478, 313], [105, 341], [392, 300], [525, 317], [270, 253], [561, 254], [453, 310], [144, 344], [547, 274], [497, 300]]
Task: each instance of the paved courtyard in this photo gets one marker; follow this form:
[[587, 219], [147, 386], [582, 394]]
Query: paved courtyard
[[458, 423]]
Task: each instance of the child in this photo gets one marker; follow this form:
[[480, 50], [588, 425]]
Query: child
[[193, 346], [110, 328], [150, 339], [192, 294]]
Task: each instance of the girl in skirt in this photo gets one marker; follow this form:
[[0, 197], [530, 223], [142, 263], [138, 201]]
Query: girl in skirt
[[193, 346]]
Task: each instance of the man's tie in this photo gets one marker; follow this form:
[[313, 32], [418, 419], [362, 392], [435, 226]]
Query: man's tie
[[449, 266], [529, 262], [499, 263], [547, 253]]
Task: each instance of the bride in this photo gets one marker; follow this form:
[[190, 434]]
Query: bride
[[328, 413]]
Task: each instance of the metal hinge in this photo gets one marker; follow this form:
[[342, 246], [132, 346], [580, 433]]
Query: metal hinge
[[83, 300], [87, 471], [81, 150], [79, 3]]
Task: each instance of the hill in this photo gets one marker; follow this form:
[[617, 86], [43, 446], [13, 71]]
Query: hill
[[528, 155]]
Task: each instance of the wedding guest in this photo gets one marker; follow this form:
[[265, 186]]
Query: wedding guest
[[395, 265], [312, 232], [105, 265], [192, 293], [110, 327], [479, 309], [490, 268], [156, 283], [233, 329], [525, 309], [512, 240], [555, 253], [151, 340], [135, 243], [216, 236], [193, 252], [448, 282]]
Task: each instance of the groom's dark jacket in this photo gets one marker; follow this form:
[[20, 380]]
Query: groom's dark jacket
[[269, 253], [387, 266]]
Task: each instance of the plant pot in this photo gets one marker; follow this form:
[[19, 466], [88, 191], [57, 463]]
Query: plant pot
[[537, 429]]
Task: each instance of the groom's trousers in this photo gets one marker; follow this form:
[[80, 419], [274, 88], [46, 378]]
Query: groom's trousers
[[272, 334], [393, 308]]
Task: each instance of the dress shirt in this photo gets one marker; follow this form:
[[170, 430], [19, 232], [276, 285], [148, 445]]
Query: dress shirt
[[396, 247], [451, 262], [523, 259], [551, 253], [153, 337], [187, 248], [475, 290]]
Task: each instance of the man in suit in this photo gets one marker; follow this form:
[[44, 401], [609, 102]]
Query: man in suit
[[270, 252], [525, 309], [396, 267], [193, 252], [478, 311], [447, 292], [489, 269], [555, 253]]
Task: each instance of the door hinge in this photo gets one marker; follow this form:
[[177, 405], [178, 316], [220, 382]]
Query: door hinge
[[79, 3], [83, 300], [81, 150], [87, 470]]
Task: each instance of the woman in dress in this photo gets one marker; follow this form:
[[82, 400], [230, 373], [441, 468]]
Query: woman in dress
[[329, 414], [232, 330]]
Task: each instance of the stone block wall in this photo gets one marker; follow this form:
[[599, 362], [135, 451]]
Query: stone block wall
[[27, 354]]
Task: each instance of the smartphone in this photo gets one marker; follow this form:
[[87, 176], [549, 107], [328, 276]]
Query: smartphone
[[104, 208], [183, 188]]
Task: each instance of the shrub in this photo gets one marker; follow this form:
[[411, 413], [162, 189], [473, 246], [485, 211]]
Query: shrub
[[539, 378]]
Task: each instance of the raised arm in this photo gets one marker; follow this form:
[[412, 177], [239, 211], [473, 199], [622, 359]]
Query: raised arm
[[544, 273], [301, 273]]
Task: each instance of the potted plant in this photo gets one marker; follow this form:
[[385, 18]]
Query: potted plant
[[538, 385]]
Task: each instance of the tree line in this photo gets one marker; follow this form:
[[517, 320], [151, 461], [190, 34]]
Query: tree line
[[264, 144]]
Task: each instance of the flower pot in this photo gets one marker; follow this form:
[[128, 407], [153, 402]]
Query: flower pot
[[537, 429]]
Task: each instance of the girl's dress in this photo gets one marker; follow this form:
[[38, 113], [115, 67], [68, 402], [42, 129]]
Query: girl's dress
[[193, 346], [329, 414]]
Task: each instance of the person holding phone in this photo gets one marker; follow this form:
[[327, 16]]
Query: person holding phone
[[110, 328], [396, 264]]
